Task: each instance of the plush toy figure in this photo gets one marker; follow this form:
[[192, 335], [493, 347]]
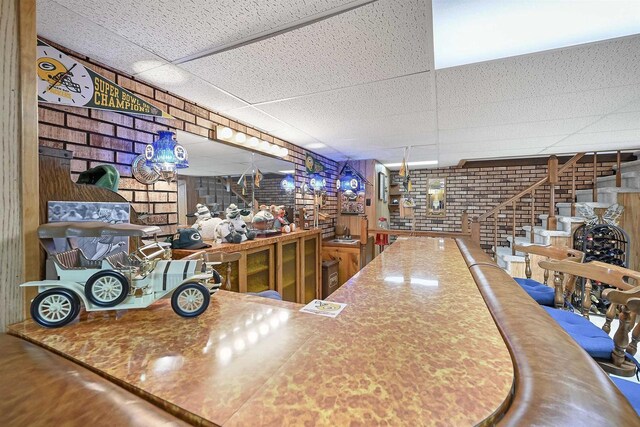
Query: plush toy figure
[[234, 229], [263, 220], [205, 224], [281, 222]]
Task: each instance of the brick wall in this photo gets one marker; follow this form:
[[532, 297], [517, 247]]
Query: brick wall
[[103, 137], [478, 190], [270, 192]]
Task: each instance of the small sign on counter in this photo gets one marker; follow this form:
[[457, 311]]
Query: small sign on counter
[[323, 308]]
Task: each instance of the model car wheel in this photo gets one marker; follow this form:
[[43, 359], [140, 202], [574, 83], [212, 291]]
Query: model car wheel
[[54, 308], [190, 299], [107, 288]]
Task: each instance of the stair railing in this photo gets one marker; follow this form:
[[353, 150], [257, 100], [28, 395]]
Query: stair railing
[[553, 173]]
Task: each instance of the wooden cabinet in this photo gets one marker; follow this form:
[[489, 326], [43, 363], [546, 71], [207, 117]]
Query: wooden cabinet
[[310, 277], [259, 270], [288, 269], [348, 259], [289, 263], [352, 258]]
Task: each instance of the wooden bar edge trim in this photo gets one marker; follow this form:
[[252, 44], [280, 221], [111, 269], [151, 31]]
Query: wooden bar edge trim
[[543, 389]]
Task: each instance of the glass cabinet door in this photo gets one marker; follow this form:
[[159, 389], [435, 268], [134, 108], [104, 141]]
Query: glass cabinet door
[[259, 270], [310, 280], [290, 270]]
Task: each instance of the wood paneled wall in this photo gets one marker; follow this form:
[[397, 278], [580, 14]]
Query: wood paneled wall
[[19, 148]]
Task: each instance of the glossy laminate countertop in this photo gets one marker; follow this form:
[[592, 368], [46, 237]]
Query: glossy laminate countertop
[[416, 345], [247, 244]]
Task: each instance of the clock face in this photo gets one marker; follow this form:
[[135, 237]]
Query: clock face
[[61, 79]]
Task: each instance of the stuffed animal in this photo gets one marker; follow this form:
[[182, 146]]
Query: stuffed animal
[[205, 224], [234, 229], [263, 220]]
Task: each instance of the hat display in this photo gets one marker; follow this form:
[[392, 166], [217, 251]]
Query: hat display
[[188, 238]]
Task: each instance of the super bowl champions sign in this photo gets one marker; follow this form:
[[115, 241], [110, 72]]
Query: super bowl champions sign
[[62, 80]]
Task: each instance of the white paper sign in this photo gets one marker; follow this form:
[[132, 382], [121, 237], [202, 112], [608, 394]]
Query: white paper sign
[[323, 308]]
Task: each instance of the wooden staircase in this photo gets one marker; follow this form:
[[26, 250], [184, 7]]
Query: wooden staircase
[[217, 193], [548, 222]]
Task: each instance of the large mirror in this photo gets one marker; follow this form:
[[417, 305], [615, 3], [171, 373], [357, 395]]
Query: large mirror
[[437, 188], [219, 175]]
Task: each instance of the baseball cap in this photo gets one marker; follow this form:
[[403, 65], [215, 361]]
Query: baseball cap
[[188, 238]]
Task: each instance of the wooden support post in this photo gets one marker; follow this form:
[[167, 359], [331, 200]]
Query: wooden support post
[[552, 174], [475, 230], [595, 177], [495, 236], [618, 171], [573, 190], [513, 228], [464, 222], [532, 236]]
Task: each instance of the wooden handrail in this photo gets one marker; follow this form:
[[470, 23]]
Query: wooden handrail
[[534, 186]]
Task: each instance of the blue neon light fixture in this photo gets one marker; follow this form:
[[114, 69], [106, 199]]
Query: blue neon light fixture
[[288, 184], [317, 182], [166, 156]]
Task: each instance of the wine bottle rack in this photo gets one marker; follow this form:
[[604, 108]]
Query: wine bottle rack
[[604, 243]]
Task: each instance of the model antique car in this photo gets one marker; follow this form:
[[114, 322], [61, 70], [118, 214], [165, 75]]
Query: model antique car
[[121, 280]]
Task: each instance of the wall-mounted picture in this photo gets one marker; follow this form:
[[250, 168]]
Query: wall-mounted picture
[[382, 187], [437, 189], [94, 248]]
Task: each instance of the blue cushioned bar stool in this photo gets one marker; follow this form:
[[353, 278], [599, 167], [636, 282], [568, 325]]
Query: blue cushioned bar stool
[[614, 355], [542, 293], [271, 294]]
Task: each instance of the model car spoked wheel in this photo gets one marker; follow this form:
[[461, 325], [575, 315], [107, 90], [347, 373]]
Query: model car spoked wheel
[[107, 288], [55, 307], [190, 299]]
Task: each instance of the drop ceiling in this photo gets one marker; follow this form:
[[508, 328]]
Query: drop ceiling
[[358, 78]]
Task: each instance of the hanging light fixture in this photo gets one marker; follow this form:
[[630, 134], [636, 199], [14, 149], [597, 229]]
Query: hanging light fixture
[[166, 156], [288, 184], [350, 181], [317, 182]]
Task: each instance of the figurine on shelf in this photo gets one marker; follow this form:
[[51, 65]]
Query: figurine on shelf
[[205, 223], [233, 229], [281, 222], [263, 220]]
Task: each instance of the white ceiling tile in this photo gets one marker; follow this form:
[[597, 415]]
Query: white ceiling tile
[[539, 109], [607, 139], [575, 147], [589, 67], [617, 121], [514, 131], [175, 29], [382, 40], [188, 86], [67, 28]]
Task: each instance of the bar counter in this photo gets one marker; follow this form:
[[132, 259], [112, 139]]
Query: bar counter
[[416, 345]]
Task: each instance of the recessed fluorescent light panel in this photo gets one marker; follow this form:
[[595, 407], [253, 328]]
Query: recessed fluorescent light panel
[[288, 171], [468, 31], [424, 163], [315, 145]]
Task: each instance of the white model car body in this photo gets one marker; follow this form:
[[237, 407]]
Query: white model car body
[[120, 281]]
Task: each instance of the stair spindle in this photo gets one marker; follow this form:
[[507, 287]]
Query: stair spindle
[[573, 190], [618, 171], [552, 173], [495, 236], [513, 229], [533, 215], [595, 177]]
